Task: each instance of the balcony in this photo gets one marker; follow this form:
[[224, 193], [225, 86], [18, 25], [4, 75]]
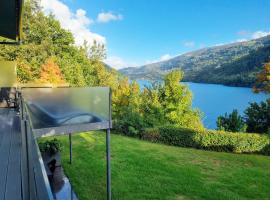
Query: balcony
[[43, 112]]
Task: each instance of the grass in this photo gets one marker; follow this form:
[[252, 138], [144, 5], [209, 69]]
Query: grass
[[142, 170]]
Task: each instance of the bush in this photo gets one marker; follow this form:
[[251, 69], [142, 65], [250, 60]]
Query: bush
[[158, 105], [131, 125], [233, 142], [231, 122], [151, 134], [258, 117], [210, 139], [50, 146]]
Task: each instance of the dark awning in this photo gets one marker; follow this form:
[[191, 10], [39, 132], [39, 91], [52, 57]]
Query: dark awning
[[10, 19]]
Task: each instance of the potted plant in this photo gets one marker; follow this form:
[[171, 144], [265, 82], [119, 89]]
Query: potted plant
[[50, 149], [50, 152]]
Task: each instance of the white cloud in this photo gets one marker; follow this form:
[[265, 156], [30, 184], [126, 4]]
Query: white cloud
[[259, 34], [162, 58], [118, 63], [189, 44], [247, 35], [165, 57], [219, 44], [150, 62], [77, 22], [105, 17], [242, 40]]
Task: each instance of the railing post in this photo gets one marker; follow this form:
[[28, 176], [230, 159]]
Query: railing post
[[108, 149], [25, 162], [70, 148], [108, 159], [25, 156], [31, 160]]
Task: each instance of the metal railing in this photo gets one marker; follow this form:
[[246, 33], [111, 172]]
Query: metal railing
[[35, 183], [35, 180]]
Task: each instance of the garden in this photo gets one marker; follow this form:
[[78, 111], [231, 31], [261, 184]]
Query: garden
[[144, 170]]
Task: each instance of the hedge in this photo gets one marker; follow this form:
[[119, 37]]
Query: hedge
[[209, 139]]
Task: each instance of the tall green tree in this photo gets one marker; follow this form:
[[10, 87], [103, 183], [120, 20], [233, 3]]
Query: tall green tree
[[151, 107], [258, 117], [127, 108], [232, 122], [176, 101]]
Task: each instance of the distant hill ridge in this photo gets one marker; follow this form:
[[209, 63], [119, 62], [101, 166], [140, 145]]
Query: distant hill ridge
[[234, 64]]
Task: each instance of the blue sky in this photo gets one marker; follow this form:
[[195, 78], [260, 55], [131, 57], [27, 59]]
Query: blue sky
[[137, 32]]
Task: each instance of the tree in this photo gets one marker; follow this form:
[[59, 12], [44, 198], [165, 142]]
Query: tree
[[127, 108], [49, 55], [263, 79], [96, 51], [43, 37], [176, 101], [258, 117], [51, 74], [151, 107], [232, 122]]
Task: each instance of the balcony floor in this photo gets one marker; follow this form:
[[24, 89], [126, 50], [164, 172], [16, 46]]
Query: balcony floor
[[10, 155]]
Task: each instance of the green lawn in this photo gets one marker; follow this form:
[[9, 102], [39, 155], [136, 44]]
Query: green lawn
[[142, 170]]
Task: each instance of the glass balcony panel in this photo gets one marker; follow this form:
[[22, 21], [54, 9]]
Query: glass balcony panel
[[8, 76], [55, 107]]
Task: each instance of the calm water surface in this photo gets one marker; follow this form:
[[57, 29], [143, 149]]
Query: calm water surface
[[215, 100]]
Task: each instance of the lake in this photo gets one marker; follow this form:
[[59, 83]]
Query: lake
[[215, 100]]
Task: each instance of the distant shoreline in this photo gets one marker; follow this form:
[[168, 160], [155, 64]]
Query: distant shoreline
[[186, 81], [228, 85]]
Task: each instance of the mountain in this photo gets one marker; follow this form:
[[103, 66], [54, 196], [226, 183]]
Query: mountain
[[234, 64]]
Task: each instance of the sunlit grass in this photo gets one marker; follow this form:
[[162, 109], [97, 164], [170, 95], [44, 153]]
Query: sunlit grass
[[142, 170]]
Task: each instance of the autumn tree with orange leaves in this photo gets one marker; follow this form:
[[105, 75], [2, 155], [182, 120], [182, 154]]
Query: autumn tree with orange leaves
[[51, 74], [263, 80]]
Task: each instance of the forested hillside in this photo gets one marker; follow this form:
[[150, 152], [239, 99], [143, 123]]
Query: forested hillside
[[234, 64], [47, 45]]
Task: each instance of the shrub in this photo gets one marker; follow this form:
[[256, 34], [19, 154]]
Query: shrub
[[177, 136], [151, 134], [170, 135], [50, 146], [231, 122], [130, 125], [210, 139], [258, 117], [233, 142]]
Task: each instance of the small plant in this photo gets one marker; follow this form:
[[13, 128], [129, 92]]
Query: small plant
[[50, 146]]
